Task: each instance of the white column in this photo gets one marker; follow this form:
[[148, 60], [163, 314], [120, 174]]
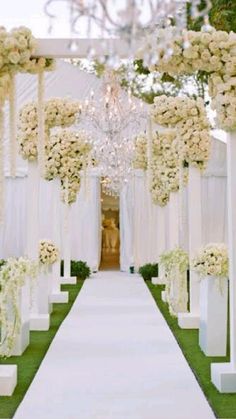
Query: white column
[[57, 296], [173, 220], [191, 320], [32, 239], [223, 375], [161, 230], [38, 320], [67, 278]]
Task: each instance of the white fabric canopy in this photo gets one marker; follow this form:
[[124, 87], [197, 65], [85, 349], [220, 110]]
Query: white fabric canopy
[[144, 227]]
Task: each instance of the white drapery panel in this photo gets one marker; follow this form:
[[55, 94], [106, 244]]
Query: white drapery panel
[[142, 224], [147, 236], [85, 219]]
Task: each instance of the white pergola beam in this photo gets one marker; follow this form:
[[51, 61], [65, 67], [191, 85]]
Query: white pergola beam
[[59, 48]]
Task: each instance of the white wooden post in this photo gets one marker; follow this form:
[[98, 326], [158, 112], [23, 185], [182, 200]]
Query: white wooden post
[[173, 220], [161, 233], [57, 296], [191, 320], [67, 278], [38, 320], [223, 375]]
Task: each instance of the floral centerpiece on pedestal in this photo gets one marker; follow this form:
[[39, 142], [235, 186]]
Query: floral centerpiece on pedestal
[[48, 252], [212, 260]]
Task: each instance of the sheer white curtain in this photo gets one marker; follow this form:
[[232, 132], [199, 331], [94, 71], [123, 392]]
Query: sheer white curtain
[[85, 218], [144, 226]]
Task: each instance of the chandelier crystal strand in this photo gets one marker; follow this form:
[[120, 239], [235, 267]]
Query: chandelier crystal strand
[[12, 126], [41, 124], [1, 167], [110, 117]]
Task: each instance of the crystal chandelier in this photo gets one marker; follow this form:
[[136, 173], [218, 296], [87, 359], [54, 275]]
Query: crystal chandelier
[[130, 20], [114, 119]]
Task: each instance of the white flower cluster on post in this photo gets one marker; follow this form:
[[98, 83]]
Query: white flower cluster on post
[[48, 252], [13, 274], [165, 164], [213, 53], [17, 48], [188, 117], [68, 153], [212, 260], [59, 112]]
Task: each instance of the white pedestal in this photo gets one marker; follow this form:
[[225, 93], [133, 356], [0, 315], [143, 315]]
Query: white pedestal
[[39, 322], [8, 379], [57, 296], [23, 338], [39, 316], [60, 297], [213, 316], [161, 274], [155, 281], [223, 376], [163, 296], [173, 220], [72, 280], [191, 320]]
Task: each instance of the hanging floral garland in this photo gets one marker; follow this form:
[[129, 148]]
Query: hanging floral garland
[[59, 112], [68, 153], [188, 117], [140, 152], [213, 53], [165, 164], [13, 274], [175, 264]]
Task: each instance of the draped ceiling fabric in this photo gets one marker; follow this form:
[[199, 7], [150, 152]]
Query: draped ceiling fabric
[[144, 230]]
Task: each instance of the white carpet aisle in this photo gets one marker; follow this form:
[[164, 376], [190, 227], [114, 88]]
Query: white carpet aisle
[[114, 358]]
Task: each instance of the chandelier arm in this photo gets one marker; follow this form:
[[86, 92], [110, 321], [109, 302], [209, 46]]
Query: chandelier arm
[[48, 5], [104, 8]]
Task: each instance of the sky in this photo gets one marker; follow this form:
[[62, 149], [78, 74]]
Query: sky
[[30, 13]]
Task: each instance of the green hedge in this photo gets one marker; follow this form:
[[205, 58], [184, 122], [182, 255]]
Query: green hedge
[[148, 271], [78, 268]]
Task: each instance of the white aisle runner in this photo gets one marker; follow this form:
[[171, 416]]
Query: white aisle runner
[[114, 358]]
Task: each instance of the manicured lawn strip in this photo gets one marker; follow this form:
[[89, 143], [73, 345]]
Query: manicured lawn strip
[[224, 405], [30, 361]]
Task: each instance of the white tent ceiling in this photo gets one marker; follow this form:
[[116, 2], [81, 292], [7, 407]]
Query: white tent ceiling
[[69, 81]]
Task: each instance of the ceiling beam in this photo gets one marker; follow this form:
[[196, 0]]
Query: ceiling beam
[[59, 48]]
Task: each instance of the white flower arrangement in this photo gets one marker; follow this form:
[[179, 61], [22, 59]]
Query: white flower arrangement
[[59, 112], [68, 152], [213, 53], [13, 273], [188, 117], [17, 48], [48, 252], [175, 264], [211, 260]]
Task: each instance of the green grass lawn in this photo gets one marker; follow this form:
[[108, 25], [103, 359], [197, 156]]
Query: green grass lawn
[[223, 405], [30, 361]]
